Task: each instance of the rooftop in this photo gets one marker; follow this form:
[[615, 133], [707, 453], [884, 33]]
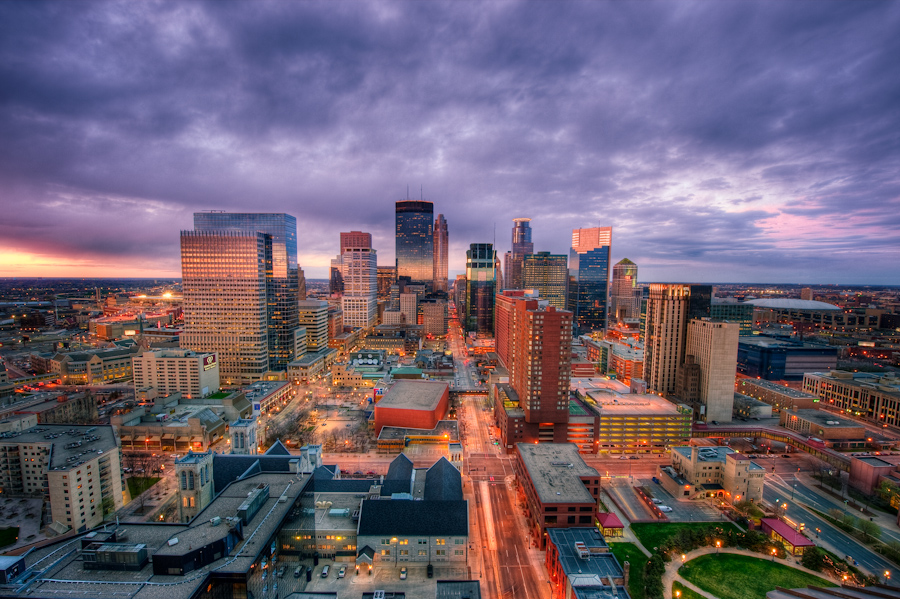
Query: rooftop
[[450, 428], [824, 419], [410, 518], [414, 395], [789, 391], [589, 566], [787, 533], [778, 343], [554, 469], [72, 445], [872, 461], [791, 304], [644, 404]]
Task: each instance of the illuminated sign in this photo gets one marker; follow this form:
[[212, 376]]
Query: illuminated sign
[[209, 362]]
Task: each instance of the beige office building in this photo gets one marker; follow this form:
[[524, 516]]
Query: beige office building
[[77, 470], [223, 277], [190, 373], [714, 346], [664, 335]]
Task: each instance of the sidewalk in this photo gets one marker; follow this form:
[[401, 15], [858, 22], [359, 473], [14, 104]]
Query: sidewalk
[[673, 566], [628, 535]]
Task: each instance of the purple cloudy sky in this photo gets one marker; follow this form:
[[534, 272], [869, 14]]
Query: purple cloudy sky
[[723, 141]]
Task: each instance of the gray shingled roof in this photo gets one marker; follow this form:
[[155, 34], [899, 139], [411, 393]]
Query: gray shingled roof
[[443, 482], [277, 448], [411, 518]]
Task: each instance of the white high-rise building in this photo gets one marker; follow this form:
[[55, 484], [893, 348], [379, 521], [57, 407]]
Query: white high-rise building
[[359, 269], [409, 307], [223, 277], [182, 371], [714, 345]]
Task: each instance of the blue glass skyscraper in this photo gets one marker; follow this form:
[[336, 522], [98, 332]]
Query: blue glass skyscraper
[[589, 278], [415, 241], [282, 281], [481, 287]]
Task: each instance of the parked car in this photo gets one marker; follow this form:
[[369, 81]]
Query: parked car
[[325, 571], [280, 572], [665, 508], [624, 457], [430, 571], [656, 501], [403, 573], [633, 457], [299, 571], [342, 572]]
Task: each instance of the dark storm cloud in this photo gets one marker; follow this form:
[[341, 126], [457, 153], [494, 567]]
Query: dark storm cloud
[[722, 141]]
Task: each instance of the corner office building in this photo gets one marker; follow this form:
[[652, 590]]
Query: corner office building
[[415, 241], [589, 278], [282, 274], [223, 277]]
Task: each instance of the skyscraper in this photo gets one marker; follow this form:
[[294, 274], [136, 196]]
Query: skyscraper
[[713, 344], [415, 241], [589, 278], [534, 342], [546, 273], [359, 272], [480, 288], [224, 283], [521, 245], [441, 254], [669, 309], [387, 275], [282, 273], [314, 318], [625, 298]]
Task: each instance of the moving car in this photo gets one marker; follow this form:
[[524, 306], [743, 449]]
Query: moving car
[[665, 508], [656, 501]]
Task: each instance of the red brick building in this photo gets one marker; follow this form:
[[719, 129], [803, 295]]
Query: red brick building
[[412, 404], [534, 342], [559, 490]]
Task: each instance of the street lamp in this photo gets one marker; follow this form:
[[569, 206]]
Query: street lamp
[[887, 576], [718, 544], [773, 554], [396, 550]]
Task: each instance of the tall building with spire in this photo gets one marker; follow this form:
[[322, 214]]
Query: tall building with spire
[[625, 296], [589, 278], [281, 271], [415, 241], [441, 254], [521, 246]]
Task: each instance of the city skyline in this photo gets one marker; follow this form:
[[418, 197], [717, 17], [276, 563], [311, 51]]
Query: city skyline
[[738, 142]]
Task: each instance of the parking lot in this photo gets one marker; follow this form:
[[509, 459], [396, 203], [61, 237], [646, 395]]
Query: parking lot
[[636, 510]]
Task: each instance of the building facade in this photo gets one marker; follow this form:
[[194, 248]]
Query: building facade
[[669, 309], [441, 254], [481, 285], [190, 373], [223, 277], [282, 274], [521, 246], [588, 291], [415, 241], [713, 345], [547, 274], [625, 297], [873, 396], [314, 318], [360, 275]]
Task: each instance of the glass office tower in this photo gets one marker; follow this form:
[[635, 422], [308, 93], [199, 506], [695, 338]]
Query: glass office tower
[[441, 254], [546, 273], [415, 241], [521, 246], [481, 281], [282, 278], [589, 278]]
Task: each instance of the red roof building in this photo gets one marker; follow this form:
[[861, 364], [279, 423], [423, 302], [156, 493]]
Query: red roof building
[[610, 525], [793, 540]]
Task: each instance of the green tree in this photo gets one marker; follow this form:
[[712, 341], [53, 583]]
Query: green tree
[[813, 558], [868, 529]]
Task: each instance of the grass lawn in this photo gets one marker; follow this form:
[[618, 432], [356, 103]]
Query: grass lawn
[[138, 484], [686, 593], [629, 552], [730, 576], [653, 534], [8, 536]]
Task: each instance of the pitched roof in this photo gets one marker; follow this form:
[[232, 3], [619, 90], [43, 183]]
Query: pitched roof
[[278, 448], [400, 469], [410, 518], [609, 520], [228, 468], [443, 482]]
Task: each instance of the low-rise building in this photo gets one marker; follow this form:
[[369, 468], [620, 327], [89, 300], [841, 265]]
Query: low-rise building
[[265, 395], [834, 431], [777, 396], [777, 358], [76, 468], [637, 423], [793, 540], [412, 404], [95, 366], [873, 396], [558, 489], [749, 407], [699, 472], [63, 408], [311, 366], [581, 566]]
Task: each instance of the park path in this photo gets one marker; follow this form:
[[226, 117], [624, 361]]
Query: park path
[[671, 574], [628, 535]]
